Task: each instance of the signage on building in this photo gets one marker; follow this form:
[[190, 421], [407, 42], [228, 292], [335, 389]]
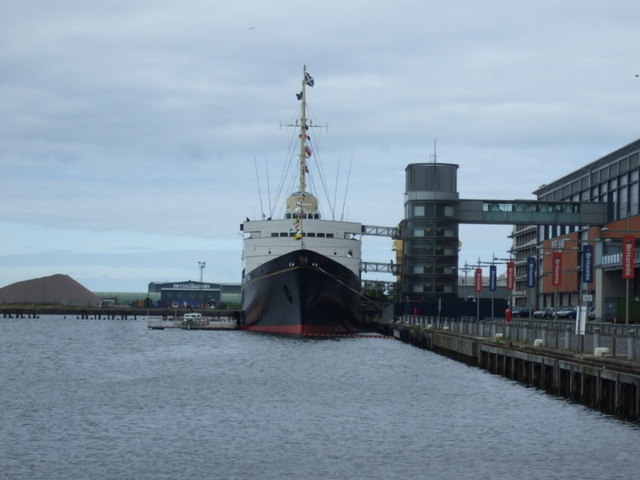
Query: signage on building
[[628, 256], [531, 272], [511, 275], [478, 279], [194, 286], [492, 278], [587, 263], [556, 268]]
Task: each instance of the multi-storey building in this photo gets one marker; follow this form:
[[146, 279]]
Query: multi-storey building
[[615, 179]]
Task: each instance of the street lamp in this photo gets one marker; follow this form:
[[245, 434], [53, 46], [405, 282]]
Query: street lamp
[[201, 265], [627, 260]]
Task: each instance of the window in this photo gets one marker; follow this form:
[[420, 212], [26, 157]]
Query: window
[[622, 202], [418, 211], [633, 198]]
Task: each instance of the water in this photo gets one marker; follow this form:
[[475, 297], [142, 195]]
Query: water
[[109, 399]]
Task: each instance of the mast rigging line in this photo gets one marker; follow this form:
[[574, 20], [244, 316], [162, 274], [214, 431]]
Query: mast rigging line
[[255, 164]]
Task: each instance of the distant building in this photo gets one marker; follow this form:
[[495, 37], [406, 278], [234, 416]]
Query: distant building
[[187, 294], [557, 252]]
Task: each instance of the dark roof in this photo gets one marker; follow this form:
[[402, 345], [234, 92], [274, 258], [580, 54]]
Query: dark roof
[[621, 152]]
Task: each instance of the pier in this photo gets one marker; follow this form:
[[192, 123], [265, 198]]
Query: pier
[[125, 313], [599, 369]]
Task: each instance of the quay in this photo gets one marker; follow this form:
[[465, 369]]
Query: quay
[[599, 369], [112, 313]]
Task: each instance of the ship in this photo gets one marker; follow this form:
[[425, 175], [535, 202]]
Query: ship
[[301, 272]]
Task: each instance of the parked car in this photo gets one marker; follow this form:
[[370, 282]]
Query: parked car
[[544, 313], [566, 312], [521, 312], [592, 313]]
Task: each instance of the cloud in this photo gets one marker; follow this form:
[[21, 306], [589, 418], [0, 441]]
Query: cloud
[[125, 119]]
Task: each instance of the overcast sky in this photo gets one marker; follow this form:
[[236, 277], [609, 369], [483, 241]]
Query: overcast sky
[[130, 131]]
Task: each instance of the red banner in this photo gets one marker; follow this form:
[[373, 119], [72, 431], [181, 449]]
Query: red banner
[[556, 268], [628, 256], [478, 279], [511, 275]]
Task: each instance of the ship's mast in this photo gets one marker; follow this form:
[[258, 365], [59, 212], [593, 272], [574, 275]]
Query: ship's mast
[[303, 133]]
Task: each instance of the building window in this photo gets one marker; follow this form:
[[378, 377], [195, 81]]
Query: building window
[[622, 202], [418, 211], [622, 181], [633, 198]]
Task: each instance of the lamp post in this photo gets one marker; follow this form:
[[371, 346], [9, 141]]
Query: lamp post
[[627, 260], [201, 265], [493, 278]]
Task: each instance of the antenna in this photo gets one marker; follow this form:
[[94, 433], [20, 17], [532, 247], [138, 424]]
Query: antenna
[[266, 166], [255, 164], [346, 188]]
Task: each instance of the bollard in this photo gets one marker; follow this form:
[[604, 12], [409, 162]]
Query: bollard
[[567, 338], [596, 338], [631, 344]]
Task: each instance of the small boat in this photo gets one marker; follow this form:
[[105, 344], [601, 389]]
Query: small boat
[[194, 320], [301, 273]]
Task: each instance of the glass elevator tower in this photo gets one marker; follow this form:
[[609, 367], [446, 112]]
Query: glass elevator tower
[[430, 232]]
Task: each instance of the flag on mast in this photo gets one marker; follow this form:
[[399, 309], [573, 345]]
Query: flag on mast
[[308, 79]]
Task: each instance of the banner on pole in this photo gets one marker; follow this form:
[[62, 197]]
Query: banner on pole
[[492, 278], [587, 263], [478, 279], [511, 275], [531, 272], [556, 268], [628, 256]]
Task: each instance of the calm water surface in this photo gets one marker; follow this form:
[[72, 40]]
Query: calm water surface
[[109, 399]]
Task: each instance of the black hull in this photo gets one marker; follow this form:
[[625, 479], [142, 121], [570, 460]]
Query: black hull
[[301, 293]]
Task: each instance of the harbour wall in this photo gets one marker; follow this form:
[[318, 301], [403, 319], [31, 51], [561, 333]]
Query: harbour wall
[[600, 381], [94, 313]]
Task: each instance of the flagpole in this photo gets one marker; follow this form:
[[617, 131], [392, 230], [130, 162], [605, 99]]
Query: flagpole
[[303, 134]]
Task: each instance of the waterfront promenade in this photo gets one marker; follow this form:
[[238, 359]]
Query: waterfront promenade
[[600, 369]]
